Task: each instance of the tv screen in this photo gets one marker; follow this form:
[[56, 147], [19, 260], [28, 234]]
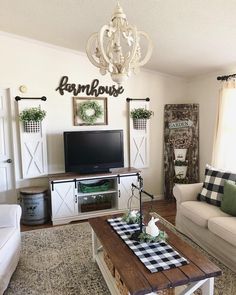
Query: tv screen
[[93, 151]]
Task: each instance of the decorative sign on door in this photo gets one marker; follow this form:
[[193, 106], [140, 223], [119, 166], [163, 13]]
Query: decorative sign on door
[[181, 145]]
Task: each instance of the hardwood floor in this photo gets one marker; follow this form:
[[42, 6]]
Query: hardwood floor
[[165, 208]]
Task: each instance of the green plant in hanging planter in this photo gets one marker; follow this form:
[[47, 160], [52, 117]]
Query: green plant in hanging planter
[[141, 113], [181, 163], [90, 111], [32, 114]]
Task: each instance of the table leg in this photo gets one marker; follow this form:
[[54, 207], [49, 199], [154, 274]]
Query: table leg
[[208, 287]]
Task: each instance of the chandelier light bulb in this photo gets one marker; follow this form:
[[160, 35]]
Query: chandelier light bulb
[[115, 49]]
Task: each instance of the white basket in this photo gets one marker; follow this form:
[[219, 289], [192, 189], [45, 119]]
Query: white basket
[[140, 124], [31, 127]]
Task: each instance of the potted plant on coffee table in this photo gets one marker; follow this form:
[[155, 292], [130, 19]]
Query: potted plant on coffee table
[[140, 117], [31, 118]]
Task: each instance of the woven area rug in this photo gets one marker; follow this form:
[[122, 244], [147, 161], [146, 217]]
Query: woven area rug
[[58, 261]]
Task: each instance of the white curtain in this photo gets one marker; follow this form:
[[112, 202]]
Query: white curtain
[[224, 151]]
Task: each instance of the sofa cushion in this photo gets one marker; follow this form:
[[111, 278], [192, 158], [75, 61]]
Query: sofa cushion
[[8, 215], [213, 186], [200, 212], [5, 235], [224, 227], [228, 203]]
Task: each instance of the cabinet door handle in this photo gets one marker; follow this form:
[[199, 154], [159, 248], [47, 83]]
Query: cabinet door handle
[[119, 193], [76, 199]]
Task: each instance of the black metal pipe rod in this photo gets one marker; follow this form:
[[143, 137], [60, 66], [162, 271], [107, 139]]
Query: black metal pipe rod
[[225, 78], [63, 181], [44, 98], [142, 191], [146, 193], [131, 99], [141, 212]]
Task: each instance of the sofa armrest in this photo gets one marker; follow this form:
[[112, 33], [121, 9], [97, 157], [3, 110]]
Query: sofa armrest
[[187, 192], [10, 215]]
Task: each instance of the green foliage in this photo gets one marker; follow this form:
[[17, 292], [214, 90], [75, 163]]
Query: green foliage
[[176, 179], [181, 163], [128, 218], [32, 114], [144, 237], [102, 199], [141, 113], [90, 105]]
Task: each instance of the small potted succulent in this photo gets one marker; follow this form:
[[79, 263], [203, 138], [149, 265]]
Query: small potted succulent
[[140, 117], [31, 118]]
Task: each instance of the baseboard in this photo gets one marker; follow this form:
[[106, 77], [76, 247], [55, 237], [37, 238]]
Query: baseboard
[[156, 198]]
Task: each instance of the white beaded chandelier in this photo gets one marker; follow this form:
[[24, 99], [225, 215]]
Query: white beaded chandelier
[[116, 48]]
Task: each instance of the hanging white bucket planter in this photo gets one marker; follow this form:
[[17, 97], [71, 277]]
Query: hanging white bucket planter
[[181, 171], [180, 154], [32, 126], [140, 124]]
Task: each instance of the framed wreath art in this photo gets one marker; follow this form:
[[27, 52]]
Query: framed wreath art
[[90, 111]]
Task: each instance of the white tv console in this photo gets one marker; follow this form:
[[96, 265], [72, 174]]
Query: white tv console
[[70, 202]]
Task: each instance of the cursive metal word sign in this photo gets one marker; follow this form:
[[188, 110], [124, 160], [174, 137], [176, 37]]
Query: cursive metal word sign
[[93, 89]]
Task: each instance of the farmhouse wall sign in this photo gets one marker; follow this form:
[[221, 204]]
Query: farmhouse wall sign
[[92, 89]]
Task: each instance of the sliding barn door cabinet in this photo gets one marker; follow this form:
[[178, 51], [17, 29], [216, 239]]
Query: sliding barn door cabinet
[[81, 196]]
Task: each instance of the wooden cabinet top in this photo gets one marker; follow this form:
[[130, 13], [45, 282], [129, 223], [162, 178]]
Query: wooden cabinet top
[[114, 172]]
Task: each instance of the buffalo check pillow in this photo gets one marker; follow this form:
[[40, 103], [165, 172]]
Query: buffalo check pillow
[[213, 186]]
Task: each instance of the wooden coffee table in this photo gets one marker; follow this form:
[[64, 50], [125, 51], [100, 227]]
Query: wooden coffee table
[[200, 272]]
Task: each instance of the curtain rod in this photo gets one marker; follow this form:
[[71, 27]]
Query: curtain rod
[[225, 78]]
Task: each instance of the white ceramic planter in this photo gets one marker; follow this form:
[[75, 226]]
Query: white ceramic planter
[[180, 154], [181, 171]]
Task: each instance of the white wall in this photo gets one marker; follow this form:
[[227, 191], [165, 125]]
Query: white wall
[[40, 67]]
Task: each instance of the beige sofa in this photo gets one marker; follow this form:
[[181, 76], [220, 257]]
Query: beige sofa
[[10, 242], [207, 225]]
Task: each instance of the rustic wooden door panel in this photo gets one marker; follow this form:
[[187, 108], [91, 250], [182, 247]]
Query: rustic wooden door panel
[[181, 145]]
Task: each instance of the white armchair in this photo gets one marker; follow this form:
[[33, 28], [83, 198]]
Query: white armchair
[[10, 242]]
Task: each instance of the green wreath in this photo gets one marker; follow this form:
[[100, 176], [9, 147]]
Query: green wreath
[[89, 105]]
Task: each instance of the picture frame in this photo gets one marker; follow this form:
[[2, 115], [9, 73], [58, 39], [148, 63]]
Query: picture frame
[[90, 111]]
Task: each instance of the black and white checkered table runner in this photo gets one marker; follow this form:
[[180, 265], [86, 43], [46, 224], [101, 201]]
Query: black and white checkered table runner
[[155, 256]]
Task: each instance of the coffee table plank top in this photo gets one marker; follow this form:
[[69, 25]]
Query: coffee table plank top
[[192, 254], [123, 259], [137, 278]]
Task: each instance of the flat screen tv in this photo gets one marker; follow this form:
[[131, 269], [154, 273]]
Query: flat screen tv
[[93, 151]]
